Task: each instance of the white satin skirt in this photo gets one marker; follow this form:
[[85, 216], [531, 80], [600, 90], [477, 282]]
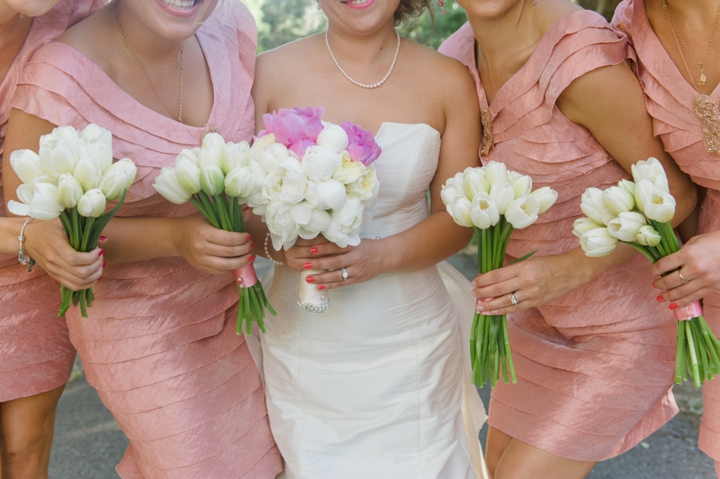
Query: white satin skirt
[[377, 386]]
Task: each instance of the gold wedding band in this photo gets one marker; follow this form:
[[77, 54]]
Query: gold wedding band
[[682, 278]]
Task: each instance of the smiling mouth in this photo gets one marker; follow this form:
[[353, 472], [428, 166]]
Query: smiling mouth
[[181, 4], [355, 2]]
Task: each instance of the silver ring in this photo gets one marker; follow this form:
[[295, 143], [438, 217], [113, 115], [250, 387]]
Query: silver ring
[[682, 278], [514, 299], [344, 273]]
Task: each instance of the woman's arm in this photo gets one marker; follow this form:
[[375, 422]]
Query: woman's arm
[[134, 239], [609, 103]]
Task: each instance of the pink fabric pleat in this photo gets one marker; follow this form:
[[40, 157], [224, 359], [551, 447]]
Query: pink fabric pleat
[[34, 345], [669, 99], [595, 368], [160, 344]]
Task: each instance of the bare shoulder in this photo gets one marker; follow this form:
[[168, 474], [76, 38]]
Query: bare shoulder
[[287, 58], [439, 72], [89, 36]]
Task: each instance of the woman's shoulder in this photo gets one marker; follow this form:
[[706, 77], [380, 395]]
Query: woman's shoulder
[[449, 73]]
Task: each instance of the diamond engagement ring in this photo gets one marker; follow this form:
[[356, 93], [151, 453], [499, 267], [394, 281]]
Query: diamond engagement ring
[[344, 274], [682, 278], [514, 299]]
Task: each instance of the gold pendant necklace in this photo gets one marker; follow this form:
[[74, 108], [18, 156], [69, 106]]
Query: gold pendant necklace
[[706, 107], [129, 51]]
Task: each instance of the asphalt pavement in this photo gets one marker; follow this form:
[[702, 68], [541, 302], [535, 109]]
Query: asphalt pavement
[[88, 442]]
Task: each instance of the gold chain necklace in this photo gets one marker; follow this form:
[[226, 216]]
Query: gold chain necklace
[[127, 49], [676, 34], [706, 107]]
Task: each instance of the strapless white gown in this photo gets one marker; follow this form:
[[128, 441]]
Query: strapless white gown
[[375, 387]]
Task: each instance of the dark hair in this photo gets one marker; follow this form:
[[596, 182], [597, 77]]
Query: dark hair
[[409, 10]]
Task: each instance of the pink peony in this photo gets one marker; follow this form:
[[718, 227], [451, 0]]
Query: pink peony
[[361, 144], [296, 128]]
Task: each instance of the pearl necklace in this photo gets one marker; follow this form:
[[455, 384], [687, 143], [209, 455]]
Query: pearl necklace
[[365, 85]]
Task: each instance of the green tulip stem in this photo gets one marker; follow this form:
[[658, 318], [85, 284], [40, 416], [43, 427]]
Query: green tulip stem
[[209, 212]]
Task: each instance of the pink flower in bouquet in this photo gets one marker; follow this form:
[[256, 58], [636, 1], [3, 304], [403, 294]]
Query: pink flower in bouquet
[[296, 128], [361, 144]]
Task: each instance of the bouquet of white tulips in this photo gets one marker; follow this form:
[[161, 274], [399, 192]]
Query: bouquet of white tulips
[[72, 177], [217, 179], [494, 202], [638, 213], [317, 179]]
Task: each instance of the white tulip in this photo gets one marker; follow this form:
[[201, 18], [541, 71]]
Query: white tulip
[[113, 184], [649, 169], [211, 155], [496, 172], [546, 197], [169, 187], [45, 203], [240, 182], [67, 133], [460, 210], [522, 212], [617, 200], [647, 236], [597, 242], [628, 186], [87, 173], [626, 226], [238, 155], [101, 154], [92, 204], [58, 160], [333, 137], [660, 207], [320, 163], [450, 192], [502, 193], [592, 205], [94, 133], [69, 190], [213, 139], [583, 225], [212, 179], [484, 212], [26, 191], [127, 166], [26, 164], [522, 184], [474, 182], [188, 171]]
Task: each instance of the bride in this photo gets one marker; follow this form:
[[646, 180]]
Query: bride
[[375, 386]]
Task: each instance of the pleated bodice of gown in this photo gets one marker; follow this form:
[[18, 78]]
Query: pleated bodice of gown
[[595, 367], [670, 100], [34, 345], [159, 344], [373, 387]]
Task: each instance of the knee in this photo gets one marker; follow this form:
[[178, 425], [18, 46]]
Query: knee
[[491, 461], [26, 457]]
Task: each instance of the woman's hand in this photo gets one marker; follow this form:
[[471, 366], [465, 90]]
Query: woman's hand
[[48, 245], [535, 281], [694, 271], [210, 249]]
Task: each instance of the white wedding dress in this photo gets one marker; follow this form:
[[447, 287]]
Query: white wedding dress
[[377, 386]]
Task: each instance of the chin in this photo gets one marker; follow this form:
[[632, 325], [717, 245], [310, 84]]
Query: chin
[[173, 19], [32, 8], [488, 9]]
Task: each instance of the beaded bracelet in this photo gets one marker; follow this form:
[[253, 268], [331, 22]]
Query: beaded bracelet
[[24, 259], [267, 253]]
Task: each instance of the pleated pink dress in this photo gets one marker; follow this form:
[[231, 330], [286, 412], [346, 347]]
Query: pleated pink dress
[[595, 368], [159, 344], [670, 101], [35, 351]]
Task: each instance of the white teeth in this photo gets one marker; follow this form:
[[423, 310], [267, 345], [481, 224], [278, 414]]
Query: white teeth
[[184, 4]]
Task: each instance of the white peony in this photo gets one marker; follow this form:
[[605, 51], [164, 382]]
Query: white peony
[[320, 163], [333, 137]]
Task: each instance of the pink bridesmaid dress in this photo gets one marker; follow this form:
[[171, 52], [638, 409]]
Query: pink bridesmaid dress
[[594, 368], [159, 344], [670, 100], [34, 345]]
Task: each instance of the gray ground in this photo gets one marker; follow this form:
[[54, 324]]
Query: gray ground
[[88, 443]]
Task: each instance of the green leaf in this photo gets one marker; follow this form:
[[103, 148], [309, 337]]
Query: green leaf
[[101, 222], [522, 258]]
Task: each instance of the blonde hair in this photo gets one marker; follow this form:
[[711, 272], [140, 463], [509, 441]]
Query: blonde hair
[[409, 10]]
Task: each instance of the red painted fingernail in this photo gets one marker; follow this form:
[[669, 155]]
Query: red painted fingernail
[[653, 285], [321, 286], [249, 237], [103, 238], [251, 258], [252, 245], [673, 306], [314, 250], [99, 278], [307, 265], [310, 279], [104, 264], [660, 298], [101, 252]]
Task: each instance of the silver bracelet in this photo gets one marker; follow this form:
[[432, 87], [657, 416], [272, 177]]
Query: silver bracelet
[[267, 253], [24, 259]]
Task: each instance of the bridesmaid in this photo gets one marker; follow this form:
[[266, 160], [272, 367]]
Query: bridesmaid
[[674, 50], [594, 354], [160, 344], [36, 353]]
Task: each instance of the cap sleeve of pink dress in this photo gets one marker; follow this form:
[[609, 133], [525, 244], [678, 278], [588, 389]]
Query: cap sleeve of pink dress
[[594, 368], [29, 302], [160, 344], [670, 100]]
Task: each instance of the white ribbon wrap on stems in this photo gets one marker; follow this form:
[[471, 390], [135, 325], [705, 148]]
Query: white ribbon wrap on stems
[[310, 298]]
